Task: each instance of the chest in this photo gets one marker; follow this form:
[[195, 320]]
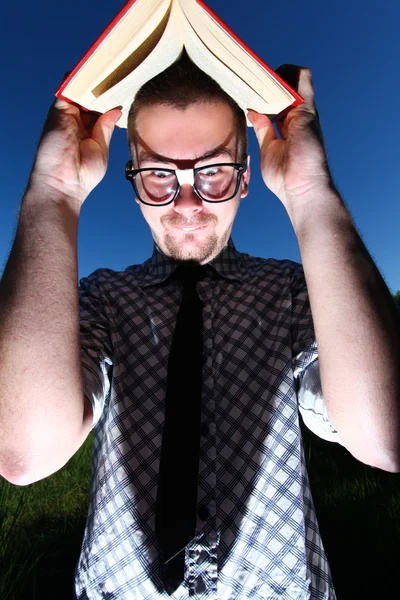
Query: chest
[[246, 332]]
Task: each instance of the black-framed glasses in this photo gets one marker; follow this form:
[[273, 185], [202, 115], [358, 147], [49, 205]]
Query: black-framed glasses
[[212, 183]]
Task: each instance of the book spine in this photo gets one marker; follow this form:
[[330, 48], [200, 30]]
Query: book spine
[[297, 98]]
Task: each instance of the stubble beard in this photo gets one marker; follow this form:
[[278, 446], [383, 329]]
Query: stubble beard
[[186, 248]]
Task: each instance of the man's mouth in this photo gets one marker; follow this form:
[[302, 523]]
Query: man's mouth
[[191, 227]]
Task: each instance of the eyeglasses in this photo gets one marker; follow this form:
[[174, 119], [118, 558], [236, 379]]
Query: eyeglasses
[[211, 183]]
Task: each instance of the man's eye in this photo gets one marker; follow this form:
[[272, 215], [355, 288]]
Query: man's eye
[[210, 171], [161, 174]]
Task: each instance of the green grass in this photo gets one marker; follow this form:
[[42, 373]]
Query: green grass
[[358, 509], [41, 530]]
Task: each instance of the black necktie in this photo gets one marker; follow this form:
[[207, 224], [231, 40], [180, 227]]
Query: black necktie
[[176, 507]]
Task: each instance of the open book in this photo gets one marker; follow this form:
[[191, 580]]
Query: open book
[[147, 36]]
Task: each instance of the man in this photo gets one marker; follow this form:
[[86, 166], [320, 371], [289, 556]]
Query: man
[[255, 531]]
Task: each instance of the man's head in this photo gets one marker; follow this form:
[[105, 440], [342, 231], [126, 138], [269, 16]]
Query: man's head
[[182, 119]]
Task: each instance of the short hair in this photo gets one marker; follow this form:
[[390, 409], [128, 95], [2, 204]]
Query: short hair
[[180, 86]]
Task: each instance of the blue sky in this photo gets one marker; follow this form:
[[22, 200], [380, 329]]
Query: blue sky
[[352, 47]]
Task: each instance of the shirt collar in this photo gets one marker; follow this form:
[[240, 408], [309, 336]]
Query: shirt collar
[[159, 267]]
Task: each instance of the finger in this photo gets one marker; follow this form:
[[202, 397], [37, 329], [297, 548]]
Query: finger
[[282, 128], [290, 74], [283, 124], [300, 79], [61, 104], [89, 118], [306, 88], [66, 74], [263, 128], [104, 127], [53, 116], [64, 106], [71, 110], [85, 118]]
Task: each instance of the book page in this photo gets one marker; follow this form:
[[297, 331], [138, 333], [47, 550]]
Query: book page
[[141, 20], [164, 54], [238, 73], [235, 87], [133, 60]]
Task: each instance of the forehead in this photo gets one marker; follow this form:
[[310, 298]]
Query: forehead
[[184, 134]]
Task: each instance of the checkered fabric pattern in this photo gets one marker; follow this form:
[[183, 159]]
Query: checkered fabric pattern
[[257, 534]]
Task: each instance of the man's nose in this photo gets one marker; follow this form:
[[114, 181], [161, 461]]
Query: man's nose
[[187, 201]]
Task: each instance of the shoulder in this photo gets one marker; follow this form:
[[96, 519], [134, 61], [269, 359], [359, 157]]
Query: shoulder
[[256, 267], [110, 279]]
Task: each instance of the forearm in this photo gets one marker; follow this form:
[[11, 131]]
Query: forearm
[[41, 398], [357, 330]]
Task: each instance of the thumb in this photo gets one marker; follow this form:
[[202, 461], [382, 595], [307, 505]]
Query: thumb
[[263, 128], [104, 127]]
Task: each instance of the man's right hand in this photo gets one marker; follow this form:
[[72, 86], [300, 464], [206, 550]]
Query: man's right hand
[[72, 155]]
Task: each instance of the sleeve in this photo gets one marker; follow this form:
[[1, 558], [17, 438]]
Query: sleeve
[[310, 399], [96, 347]]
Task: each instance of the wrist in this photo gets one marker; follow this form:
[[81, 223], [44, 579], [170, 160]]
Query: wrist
[[320, 210], [38, 195]]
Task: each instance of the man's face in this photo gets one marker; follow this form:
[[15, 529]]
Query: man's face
[[189, 228]]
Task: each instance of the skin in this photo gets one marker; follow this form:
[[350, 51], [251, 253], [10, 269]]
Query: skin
[[189, 229], [72, 156], [360, 354], [355, 318], [356, 322]]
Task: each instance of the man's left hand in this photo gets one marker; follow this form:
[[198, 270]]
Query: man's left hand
[[294, 167]]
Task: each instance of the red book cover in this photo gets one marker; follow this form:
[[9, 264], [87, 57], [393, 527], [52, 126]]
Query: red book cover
[[59, 93]]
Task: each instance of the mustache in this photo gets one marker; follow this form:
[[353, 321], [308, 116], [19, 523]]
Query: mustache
[[178, 220]]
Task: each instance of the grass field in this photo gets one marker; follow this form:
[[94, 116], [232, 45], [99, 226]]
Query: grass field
[[358, 508]]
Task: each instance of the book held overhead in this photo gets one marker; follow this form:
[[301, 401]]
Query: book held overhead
[[147, 36]]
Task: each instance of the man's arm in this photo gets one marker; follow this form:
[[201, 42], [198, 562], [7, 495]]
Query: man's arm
[[355, 319], [357, 329], [44, 417]]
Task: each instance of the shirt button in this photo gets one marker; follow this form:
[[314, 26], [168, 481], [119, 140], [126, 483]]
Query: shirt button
[[204, 429], [203, 512]]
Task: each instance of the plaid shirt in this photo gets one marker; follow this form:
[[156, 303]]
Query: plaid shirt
[[257, 533]]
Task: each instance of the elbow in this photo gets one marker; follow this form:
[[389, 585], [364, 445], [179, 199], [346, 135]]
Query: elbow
[[13, 471], [386, 462], [389, 465], [18, 481]]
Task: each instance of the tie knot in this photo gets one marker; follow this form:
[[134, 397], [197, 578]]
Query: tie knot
[[189, 274]]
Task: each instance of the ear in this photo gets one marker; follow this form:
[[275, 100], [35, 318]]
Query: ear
[[246, 179]]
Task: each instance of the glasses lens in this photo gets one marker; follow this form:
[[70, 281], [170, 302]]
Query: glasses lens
[[156, 186], [215, 183]]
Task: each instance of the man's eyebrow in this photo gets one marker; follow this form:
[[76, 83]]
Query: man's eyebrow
[[154, 157]]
